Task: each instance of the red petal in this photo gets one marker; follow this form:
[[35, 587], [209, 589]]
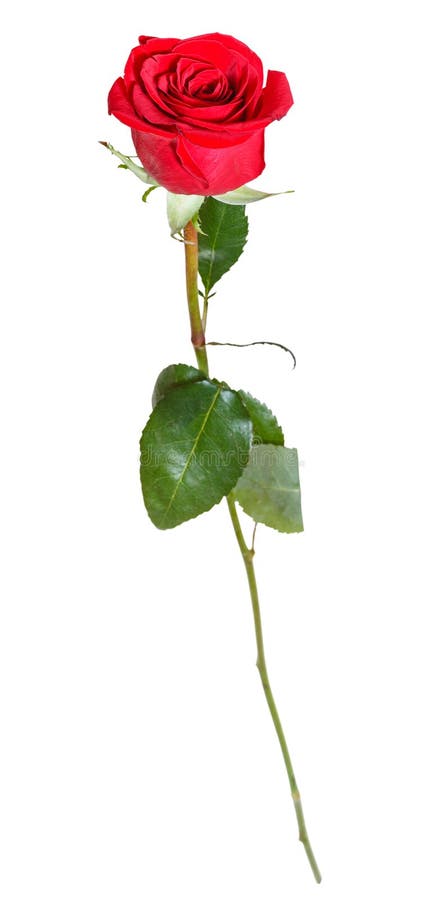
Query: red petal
[[157, 45], [215, 140], [208, 116], [121, 107], [276, 96], [148, 110], [226, 168], [159, 157], [138, 55], [230, 62], [186, 158], [185, 167], [233, 44]]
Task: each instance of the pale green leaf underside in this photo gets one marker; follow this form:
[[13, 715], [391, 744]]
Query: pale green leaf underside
[[266, 429], [246, 194], [181, 208], [193, 450], [129, 164], [222, 238], [269, 489]]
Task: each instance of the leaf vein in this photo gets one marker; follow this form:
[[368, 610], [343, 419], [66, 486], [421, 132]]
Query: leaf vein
[[191, 454]]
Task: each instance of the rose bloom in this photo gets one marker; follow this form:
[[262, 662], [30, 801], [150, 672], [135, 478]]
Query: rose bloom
[[198, 109]]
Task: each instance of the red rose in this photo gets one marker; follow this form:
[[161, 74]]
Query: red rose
[[198, 110]]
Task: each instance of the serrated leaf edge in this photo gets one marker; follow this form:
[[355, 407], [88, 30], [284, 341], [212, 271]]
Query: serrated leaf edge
[[267, 408]]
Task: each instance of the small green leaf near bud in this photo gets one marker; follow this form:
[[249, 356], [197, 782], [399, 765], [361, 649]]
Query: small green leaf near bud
[[222, 239]]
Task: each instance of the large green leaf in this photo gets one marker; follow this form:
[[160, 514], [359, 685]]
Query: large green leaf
[[223, 234], [266, 429], [193, 450], [172, 376], [269, 490]]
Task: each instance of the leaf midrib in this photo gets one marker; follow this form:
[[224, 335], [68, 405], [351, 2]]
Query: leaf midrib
[[191, 454]]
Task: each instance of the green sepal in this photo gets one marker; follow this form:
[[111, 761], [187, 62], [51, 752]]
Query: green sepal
[[181, 208], [149, 191], [223, 235], [246, 194], [193, 450], [266, 429], [171, 377], [128, 163], [269, 489]]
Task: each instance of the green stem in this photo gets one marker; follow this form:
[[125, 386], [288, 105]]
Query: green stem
[[196, 326], [247, 555], [199, 345]]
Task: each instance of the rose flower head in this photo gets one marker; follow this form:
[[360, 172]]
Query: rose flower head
[[198, 110]]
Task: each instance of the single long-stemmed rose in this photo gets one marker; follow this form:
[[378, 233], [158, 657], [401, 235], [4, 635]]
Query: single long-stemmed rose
[[198, 110]]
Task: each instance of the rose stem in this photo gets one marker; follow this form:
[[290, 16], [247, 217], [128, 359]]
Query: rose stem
[[247, 555], [199, 345], [197, 335]]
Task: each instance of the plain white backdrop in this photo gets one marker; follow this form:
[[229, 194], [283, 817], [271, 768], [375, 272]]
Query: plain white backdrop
[[138, 757]]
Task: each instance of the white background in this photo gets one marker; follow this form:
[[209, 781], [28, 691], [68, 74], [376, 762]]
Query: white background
[[138, 757]]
